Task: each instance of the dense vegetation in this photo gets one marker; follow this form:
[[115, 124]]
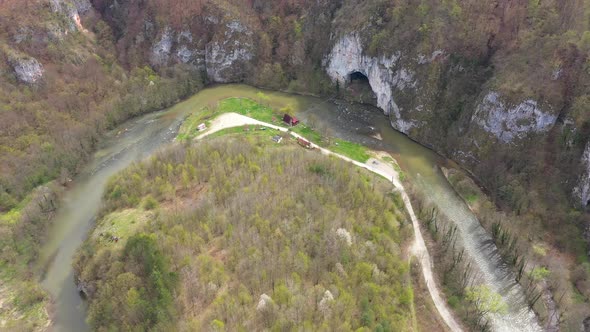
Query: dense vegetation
[[539, 269], [98, 76], [523, 50], [238, 233], [48, 130]]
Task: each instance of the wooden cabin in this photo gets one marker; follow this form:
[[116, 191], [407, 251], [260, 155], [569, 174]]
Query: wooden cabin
[[290, 120]]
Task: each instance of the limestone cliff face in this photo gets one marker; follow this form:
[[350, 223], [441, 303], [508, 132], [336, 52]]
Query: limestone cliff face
[[508, 123], [582, 189], [71, 9], [27, 70], [225, 57], [348, 57], [228, 55], [389, 78], [65, 19], [488, 122]]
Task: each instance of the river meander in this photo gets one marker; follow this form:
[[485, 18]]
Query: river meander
[[140, 137]]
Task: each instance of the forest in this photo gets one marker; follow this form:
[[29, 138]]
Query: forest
[[290, 238], [102, 74]]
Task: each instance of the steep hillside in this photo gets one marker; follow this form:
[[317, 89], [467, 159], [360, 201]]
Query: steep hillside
[[291, 239], [60, 88], [499, 84]]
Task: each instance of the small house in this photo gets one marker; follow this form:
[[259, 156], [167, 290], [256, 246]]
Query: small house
[[304, 143], [202, 127], [277, 139], [290, 120]]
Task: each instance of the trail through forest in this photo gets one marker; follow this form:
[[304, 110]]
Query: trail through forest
[[419, 250]]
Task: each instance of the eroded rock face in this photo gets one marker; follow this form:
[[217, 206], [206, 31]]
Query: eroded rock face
[[511, 122], [228, 55], [162, 48], [348, 57], [72, 9], [27, 70], [177, 47], [582, 189], [225, 58]]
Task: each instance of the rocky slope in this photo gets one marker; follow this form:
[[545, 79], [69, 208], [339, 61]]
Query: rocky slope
[[501, 87], [463, 88]]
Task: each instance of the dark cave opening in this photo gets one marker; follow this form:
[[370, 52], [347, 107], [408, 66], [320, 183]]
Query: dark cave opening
[[359, 88]]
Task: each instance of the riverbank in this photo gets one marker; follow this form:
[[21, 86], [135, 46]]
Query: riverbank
[[541, 265], [347, 122]]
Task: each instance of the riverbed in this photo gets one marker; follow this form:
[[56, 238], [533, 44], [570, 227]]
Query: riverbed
[[141, 137]]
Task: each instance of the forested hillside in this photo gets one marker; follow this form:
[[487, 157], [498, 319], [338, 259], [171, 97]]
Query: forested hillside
[[501, 87], [61, 87], [71, 70], [290, 239]]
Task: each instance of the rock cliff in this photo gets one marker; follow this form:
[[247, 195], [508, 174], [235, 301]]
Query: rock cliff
[[27, 69]]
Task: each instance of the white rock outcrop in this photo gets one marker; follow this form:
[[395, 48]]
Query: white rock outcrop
[[162, 49], [348, 57], [225, 56], [72, 9], [264, 301], [582, 189], [509, 122], [27, 70]]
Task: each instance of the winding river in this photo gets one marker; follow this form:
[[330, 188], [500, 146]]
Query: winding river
[[141, 137]]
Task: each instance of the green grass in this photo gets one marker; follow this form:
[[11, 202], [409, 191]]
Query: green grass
[[398, 169], [255, 110], [122, 224], [250, 108], [353, 151], [310, 134], [540, 273], [188, 129], [471, 198], [388, 159]]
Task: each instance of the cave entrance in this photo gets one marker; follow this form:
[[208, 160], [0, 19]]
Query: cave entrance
[[359, 89]]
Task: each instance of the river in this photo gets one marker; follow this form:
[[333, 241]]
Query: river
[[138, 138]]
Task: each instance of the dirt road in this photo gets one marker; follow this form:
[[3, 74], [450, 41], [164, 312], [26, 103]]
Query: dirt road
[[419, 250]]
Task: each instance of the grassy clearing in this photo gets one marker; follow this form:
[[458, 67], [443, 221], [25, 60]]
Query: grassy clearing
[[352, 150], [255, 110], [189, 130], [121, 224]]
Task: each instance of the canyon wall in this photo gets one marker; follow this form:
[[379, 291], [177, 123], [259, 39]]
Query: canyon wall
[[462, 89]]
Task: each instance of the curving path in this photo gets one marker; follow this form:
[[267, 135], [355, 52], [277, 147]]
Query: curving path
[[419, 250]]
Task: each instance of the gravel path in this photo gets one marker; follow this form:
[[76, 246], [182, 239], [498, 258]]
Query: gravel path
[[419, 250]]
